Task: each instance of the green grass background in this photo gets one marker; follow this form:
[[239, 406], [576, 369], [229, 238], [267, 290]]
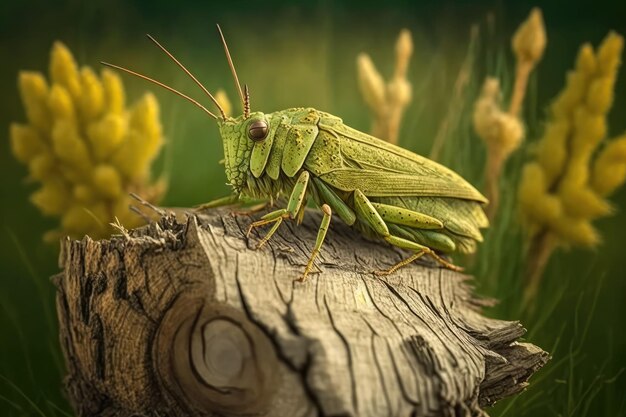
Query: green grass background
[[294, 54]]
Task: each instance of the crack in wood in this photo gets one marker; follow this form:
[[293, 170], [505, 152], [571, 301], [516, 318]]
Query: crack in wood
[[97, 335], [347, 345]]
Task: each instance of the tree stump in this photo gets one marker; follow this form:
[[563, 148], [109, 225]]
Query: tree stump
[[185, 318]]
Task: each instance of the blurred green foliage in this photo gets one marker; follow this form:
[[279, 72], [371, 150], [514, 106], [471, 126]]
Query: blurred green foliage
[[304, 55]]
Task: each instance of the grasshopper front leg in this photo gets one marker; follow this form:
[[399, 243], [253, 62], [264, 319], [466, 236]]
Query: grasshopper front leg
[[254, 205], [294, 206], [229, 200]]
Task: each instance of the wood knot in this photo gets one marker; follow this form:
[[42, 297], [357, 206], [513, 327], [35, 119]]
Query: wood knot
[[211, 358], [221, 354]]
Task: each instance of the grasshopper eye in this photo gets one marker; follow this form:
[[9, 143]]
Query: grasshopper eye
[[257, 130]]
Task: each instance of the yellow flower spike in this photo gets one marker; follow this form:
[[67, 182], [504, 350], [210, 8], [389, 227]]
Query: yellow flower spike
[[145, 119], [52, 198], [71, 174], [586, 62], [143, 139], [69, 147], [571, 96], [552, 152], [63, 69], [34, 91], [91, 102], [79, 144], [80, 217], [26, 143], [569, 172], [60, 103], [589, 129], [144, 112], [600, 95], [100, 212], [538, 206], [76, 219], [84, 194], [609, 53], [130, 159], [106, 135], [107, 181], [113, 91], [222, 98], [577, 231], [125, 216], [609, 170], [583, 202], [577, 171], [42, 166]]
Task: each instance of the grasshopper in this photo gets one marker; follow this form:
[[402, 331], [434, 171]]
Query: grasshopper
[[380, 189]]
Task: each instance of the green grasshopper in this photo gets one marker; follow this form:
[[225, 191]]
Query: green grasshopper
[[380, 189]]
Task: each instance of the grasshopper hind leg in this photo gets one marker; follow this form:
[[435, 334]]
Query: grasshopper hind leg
[[420, 251], [369, 214]]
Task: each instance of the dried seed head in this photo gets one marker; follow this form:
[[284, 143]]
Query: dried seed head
[[501, 132], [387, 102], [530, 39], [371, 83], [404, 50]]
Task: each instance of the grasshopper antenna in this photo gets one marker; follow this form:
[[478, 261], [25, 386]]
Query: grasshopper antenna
[[160, 84], [246, 101], [189, 74], [232, 66]]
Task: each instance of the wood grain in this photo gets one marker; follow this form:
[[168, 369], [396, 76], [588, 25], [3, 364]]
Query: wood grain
[[185, 318]]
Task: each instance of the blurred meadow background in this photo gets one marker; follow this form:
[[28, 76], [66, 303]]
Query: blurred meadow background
[[292, 55]]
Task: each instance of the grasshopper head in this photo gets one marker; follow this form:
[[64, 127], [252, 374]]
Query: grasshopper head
[[239, 136]]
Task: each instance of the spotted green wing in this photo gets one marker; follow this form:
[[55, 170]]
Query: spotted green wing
[[348, 160]]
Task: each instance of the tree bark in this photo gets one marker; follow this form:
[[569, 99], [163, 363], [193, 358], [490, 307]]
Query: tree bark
[[185, 318]]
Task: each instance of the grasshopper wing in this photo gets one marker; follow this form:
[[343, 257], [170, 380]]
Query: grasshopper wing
[[348, 159]]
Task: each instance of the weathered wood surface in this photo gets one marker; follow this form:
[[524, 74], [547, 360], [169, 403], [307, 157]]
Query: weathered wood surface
[[186, 319]]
